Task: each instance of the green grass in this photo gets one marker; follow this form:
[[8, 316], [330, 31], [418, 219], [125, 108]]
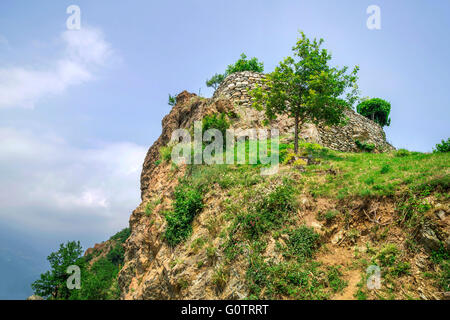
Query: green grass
[[375, 175], [187, 203]]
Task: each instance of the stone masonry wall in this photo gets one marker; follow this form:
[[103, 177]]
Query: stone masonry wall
[[235, 88]]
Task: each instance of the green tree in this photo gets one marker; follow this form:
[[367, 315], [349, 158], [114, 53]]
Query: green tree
[[245, 65], [172, 100], [375, 109], [306, 88], [53, 283], [215, 81], [444, 146]]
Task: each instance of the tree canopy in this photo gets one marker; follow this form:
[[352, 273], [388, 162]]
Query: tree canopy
[[53, 283], [375, 109], [98, 277], [306, 88], [215, 81], [243, 64]]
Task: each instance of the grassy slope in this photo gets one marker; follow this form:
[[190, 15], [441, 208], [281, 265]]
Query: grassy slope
[[257, 211]]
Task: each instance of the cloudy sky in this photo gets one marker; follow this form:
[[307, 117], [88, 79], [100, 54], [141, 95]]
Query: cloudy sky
[[79, 108]]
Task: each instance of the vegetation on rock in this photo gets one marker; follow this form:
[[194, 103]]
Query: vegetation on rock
[[376, 109]]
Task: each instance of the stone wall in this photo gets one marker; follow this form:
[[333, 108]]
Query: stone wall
[[235, 88]]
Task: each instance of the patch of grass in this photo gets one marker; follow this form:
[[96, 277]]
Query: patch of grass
[[211, 253], [288, 279], [198, 243], [220, 277], [188, 202], [367, 147], [302, 243], [388, 255], [165, 153], [402, 153], [370, 175], [270, 212], [150, 206], [328, 216]]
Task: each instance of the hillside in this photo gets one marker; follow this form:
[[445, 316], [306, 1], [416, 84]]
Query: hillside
[[308, 232]]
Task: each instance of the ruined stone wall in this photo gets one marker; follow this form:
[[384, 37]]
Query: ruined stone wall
[[236, 88]]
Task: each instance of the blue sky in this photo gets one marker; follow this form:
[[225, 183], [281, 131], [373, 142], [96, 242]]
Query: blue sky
[[79, 109]]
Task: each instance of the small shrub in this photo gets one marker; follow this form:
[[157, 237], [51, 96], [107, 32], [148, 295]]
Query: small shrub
[[215, 81], [444, 146], [400, 269], [220, 277], [211, 253], [385, 168], [172, 100], [245, 65], [376, 110], [183, 283], [330, 215], [335, 282], [302, 242], [188, 202], [166, 153], [402, 153], [363, 146], [388, 255]]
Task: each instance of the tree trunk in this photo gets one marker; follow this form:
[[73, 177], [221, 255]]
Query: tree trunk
[[296, 134]]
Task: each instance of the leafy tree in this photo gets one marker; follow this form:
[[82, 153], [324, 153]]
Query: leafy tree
[[375, 109], [53, 283], [306, 88], [241, 65], [245, 65], [172, 100], [444, 146], [215, 81], [99, 278]]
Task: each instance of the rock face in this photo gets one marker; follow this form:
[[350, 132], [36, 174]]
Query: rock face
[[152, 269]]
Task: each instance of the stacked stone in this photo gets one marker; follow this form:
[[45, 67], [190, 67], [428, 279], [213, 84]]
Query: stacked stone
[[236, 88]]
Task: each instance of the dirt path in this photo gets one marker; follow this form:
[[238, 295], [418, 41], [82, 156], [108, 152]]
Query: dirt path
[[337, 255], [353, 277]]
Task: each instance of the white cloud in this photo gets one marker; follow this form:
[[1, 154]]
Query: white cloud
[[49, 185], [84, 52]]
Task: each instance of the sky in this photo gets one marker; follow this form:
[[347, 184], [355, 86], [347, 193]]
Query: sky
[[80, 108]]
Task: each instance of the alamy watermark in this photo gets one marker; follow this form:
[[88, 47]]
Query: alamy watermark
[[73, 22], [374, 279], [74, 280], [374, 20]]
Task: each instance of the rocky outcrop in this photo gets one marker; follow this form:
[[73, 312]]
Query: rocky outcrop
[[152, 269]]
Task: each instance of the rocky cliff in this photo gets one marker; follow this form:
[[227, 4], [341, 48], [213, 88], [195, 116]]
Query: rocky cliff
[[201, 267]]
